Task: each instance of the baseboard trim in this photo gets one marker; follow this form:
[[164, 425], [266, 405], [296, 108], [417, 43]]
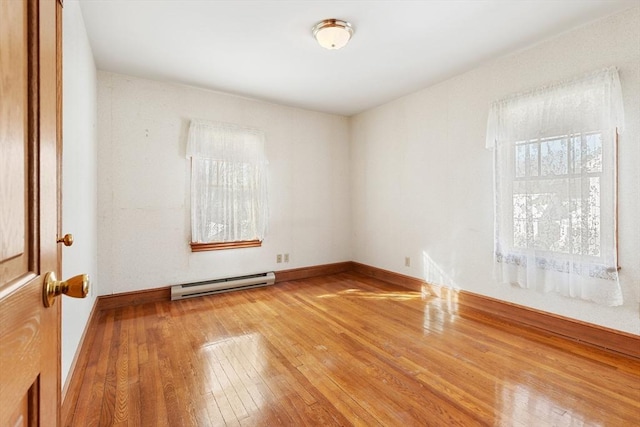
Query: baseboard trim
[[576, 330], [390, 277], [71, 389], [106, 302], [314, 271]]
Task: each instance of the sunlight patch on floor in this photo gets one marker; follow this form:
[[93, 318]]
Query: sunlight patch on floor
[[359, 293]]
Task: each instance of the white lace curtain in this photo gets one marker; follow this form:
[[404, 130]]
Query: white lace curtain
[[228, 183], [555, 187]]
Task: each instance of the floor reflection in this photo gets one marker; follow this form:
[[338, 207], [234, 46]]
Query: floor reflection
[[234, 366], [528, 406], [440, 313]]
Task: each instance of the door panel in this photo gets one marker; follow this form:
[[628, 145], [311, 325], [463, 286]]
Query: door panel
[[13, 116], [29, 93]]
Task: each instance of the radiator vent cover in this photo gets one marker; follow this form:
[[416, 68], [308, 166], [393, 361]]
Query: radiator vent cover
[[209, 287]]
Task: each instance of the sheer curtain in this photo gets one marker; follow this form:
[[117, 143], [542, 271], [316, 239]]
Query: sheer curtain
[[555, 187], [228, 183]]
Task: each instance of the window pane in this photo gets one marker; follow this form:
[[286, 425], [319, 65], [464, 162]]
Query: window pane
[[521, 160], [544, 227], [576, 153], [593, 153], [550, 216], [533, 159], [526, 159], [554, 157], [520, 220]]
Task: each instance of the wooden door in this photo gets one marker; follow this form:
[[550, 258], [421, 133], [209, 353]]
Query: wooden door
[[29, 126]]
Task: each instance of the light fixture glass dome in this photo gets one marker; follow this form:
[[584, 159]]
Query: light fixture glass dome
[[332, 33]]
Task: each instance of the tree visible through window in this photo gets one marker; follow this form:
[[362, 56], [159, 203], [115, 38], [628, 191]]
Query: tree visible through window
[[228, 186], [555, 187]]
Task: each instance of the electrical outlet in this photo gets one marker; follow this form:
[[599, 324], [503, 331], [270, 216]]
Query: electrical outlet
[[279, 258], [286, 257], [407, 261]]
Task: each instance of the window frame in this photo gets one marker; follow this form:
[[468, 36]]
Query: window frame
[[513, 254], [202, 247]]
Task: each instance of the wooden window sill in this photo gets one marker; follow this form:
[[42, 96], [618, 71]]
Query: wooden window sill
[[201, 247]]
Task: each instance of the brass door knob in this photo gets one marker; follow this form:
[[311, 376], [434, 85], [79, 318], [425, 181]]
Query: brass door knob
[[76, 287], [67, 240]]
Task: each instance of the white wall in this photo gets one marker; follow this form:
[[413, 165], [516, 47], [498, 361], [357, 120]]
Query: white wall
[[80, 213], [422, 179], [143, 201], [409, 178]]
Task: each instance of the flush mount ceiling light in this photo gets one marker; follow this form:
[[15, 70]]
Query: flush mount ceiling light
[[332, 33]]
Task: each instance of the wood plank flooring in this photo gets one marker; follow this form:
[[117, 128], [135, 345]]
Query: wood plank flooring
[[342, 350]]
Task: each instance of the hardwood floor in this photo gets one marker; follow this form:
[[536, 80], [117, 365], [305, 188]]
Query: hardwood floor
[[343, 350]]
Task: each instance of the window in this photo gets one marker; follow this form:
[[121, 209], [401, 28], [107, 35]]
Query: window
[[555, 187], [547, 216], [228, 186]]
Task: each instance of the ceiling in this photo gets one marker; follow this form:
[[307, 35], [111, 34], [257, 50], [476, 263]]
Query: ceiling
[[265, 50]]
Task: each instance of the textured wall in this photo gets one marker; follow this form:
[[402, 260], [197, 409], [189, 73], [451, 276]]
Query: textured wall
[[80, 175], [422, 179], [144, 185]]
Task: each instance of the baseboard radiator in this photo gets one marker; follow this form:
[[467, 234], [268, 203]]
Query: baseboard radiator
[[209, 287]]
